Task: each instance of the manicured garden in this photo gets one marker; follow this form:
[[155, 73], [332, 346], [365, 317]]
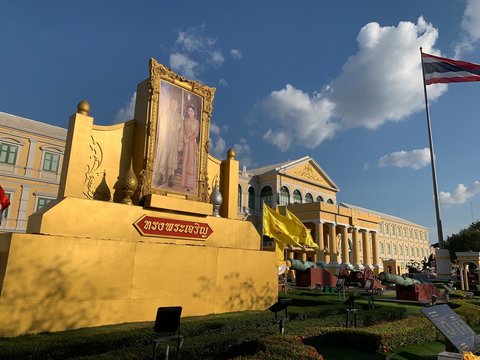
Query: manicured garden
[[316, 330]]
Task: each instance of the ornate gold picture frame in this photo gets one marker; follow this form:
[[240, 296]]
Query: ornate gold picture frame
[[177, 135]]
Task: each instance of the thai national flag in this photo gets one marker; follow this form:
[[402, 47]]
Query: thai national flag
[[442, 70]]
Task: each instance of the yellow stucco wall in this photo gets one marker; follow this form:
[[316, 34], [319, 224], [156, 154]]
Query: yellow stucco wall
[[50, 283], [93, 151], [106, 220]]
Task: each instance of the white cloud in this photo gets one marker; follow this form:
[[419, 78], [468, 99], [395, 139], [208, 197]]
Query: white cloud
[[301, 117], [184, 65], [217, 57], [414, 159], [471, 19], [187, 41], [128, 111], [222, 82], [461, 194], [218, 148], [381, 82], [194, 52], [471, 26], [214, 129], [243, 152], [236, 54]]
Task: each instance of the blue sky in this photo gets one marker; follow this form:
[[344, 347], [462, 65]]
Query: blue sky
[[339, 81]]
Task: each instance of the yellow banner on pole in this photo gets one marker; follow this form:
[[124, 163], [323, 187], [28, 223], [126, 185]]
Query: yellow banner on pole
[[304, 235]]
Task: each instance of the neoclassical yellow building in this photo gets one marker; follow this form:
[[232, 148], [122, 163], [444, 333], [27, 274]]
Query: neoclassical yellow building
[[346, 234]]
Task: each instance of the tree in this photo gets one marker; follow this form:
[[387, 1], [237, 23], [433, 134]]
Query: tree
[[464, 240]]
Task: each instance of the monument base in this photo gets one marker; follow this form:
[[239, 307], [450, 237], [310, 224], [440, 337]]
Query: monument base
[[444, 268], [54, 283], [84, 263]]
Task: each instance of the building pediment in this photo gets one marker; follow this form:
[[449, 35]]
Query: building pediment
[[309, 171]]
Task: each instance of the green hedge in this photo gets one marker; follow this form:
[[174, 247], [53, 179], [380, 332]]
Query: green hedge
[[315, 320], [381, 337]]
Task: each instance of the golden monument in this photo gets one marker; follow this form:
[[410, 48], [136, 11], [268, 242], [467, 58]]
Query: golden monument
[[132, 228]]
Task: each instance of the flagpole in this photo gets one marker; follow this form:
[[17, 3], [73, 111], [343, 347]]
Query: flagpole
[[432, 161]]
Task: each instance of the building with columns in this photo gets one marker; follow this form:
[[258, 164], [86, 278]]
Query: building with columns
[[345, 234], [31, 156]]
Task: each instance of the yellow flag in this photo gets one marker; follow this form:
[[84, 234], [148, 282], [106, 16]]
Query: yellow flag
[[280, 250], [303, 233], [278, 227]]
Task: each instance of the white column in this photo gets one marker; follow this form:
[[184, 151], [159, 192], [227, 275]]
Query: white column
[[332, 243], [375, 252], [366, 248], [356, 257], [319, 241], [344, 237], [465, 273], [462, 284]]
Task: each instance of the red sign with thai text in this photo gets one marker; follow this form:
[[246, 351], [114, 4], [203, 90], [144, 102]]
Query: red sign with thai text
[[155, 226]]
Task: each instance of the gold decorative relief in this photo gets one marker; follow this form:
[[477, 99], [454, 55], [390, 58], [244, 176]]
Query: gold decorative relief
[[177, 133], [309, 172], [92, 172]]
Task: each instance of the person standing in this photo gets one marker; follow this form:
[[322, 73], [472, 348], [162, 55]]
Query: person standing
[[190, 149], [169, 143]]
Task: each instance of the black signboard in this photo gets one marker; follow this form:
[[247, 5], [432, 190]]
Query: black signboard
[[453, 328]]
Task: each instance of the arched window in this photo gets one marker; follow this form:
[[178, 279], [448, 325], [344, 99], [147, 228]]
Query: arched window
[[319, 198], [382, 248], [266, 195], [297, 197], [389, 249], [330, 201], [308, 198], [394, 249], [401, 250], [239, 196], [284, 196], [251, 198]]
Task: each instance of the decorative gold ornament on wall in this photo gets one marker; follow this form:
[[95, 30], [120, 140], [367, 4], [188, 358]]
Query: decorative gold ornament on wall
[[92, 173]]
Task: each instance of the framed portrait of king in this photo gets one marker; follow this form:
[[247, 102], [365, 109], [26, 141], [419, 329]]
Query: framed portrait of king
[[177, 128]]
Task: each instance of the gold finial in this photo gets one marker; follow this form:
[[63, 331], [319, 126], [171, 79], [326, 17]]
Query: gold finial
[[83, 107], [129, 185], [231, 154]]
